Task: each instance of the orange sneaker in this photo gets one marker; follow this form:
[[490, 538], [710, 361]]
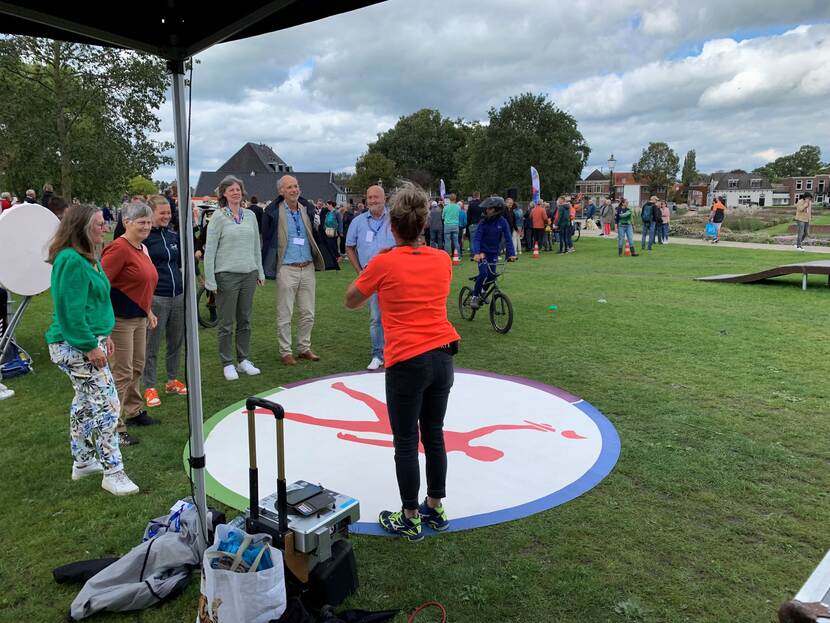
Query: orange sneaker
[[151, 397], [175, 387]]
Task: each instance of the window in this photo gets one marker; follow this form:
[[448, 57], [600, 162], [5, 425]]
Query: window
[[821, 187], [744, 200], [798, 184], [808, 185], [755, 183], [733, 183]]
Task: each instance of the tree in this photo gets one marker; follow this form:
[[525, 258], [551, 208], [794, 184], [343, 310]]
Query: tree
[[423, 147], [690, 173], [527, 131], [657, 167], [370, 168], [140, 185], [79, 116], [803, 163]]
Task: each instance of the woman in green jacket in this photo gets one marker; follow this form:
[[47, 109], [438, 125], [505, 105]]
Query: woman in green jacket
[[79, 344]]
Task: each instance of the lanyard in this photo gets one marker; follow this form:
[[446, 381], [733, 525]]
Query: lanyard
[[380, 224], [296, 217]]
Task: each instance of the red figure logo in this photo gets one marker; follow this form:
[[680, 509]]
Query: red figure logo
[[454, 441]]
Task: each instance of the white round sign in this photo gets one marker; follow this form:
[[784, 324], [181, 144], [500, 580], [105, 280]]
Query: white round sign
[[25, 232], [514, 446]]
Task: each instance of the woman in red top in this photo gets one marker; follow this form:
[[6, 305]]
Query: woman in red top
[[412, 282], [133, 279]]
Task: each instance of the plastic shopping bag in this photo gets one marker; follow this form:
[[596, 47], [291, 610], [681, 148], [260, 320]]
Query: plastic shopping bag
[[711, 229], [245, 584]]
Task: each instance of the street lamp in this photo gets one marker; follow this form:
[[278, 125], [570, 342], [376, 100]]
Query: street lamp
[[611, 163]]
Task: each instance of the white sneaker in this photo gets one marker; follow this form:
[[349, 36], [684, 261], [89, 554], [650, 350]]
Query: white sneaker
[[230, 373], [5, 392], [247, 367], [83, 471], [118, 483], [375, 364]]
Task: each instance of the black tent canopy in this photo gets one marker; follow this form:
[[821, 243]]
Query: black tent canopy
[[174, 30]]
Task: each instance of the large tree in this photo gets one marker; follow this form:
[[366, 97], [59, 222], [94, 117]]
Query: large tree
[[423, 147], [78, 116], [690, 173], [805, 162], [370, 168], [657, 167], [527, 131]]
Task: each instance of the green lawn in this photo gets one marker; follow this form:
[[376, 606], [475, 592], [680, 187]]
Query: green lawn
[[716, 510]]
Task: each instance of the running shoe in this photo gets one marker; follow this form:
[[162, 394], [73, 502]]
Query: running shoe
[[397, 523], [435, 518]]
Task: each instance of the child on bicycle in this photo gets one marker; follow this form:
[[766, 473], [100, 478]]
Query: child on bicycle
[[491, 230]]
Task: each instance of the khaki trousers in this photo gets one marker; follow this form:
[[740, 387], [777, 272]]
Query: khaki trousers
[[130, 339], [295, 283]]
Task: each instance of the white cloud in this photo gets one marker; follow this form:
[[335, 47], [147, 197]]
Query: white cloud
[[662, 21]]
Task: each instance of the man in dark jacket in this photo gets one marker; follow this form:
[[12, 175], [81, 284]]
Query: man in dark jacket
[[563, 225], [491, 233], [649, 207]]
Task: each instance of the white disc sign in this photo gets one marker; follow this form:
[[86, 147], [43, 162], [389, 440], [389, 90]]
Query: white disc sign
[[25, 232]]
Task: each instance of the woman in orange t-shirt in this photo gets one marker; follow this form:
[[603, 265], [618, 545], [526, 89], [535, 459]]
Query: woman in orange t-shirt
[[412, 282]]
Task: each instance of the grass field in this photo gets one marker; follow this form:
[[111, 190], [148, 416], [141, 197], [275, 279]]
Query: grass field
[[716, 511]]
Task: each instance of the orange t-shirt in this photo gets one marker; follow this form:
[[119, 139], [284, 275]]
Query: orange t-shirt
[[412, 286], [538, 217]]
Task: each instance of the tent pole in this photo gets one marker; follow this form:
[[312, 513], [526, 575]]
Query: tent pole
[[194, 372]]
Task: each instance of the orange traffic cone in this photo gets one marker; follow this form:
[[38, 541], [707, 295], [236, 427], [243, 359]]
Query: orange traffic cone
[[535, 250], [455, 259], [627, 250]]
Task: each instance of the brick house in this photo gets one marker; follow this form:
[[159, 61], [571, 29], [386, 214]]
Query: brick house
[[818, 185]]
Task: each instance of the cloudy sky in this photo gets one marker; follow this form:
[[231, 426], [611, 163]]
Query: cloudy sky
[[740, 81]]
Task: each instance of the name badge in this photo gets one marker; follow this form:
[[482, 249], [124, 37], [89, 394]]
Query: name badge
[[370, 236], [299, 241]]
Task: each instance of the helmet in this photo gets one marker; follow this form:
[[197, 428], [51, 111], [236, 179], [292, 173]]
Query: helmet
[[493, 202]]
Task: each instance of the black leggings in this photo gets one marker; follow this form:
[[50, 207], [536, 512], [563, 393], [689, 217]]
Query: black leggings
[[417, 391]]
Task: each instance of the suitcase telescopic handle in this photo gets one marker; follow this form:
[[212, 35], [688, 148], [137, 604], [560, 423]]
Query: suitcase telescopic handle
[[279, 414]]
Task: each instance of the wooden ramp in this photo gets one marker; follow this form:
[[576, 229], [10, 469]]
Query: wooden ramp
[[820, 267]]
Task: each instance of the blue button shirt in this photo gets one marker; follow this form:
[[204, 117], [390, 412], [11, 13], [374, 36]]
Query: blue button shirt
[[296, 253], [381, 236]]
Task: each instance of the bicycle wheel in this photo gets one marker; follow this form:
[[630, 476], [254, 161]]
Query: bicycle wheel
[[206, 309], [467, 312], [501, 313], [577, 230]]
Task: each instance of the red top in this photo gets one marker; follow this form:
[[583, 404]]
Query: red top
[[130, 271], [412, 286], [538, 217]]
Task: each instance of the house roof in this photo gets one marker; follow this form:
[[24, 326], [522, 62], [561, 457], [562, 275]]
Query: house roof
[[253, 157], [596, 176], [624, 178], [722, 181], [263, 186]]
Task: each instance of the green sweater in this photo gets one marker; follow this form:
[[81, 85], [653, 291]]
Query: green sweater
[[232, 247], [450, 214], [82, 310]]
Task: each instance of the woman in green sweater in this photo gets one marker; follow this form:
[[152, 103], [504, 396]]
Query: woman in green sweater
[[79, 344], [233, 269]]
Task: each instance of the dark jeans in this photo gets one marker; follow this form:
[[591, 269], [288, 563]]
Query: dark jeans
[[486, 272], [417, 391], [565, 238], [538, 238]]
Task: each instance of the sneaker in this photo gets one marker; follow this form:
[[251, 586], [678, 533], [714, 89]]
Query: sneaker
[[142, 419], [397, 523], [247, 367], [5, 392], [375, 363], [125, 439], [230, 373], [82, 471], [435, 518], [474, 302], [175, 387], [118, 483], [151, 397]]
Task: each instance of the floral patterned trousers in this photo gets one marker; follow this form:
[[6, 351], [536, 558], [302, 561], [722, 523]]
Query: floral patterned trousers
[[93, 414]]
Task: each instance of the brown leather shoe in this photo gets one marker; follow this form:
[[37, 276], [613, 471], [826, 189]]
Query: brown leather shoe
[[288, 360], [309, 355]]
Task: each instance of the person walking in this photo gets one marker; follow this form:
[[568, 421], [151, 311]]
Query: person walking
[[803, 213], [80, 345], [370, 234], [647, 216], [622, 217], [168, 304], [412, 283], [716, 216], [133, 279], [233, 270]]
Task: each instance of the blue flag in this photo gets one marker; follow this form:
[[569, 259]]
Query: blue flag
[[535, 186]]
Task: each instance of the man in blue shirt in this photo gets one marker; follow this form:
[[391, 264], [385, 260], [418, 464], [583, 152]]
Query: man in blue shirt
[[368, 235]]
